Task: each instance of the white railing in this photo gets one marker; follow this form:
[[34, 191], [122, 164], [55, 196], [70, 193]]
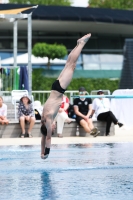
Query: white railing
[[40, 95], [6, 95], [43, 95], [37, 95]]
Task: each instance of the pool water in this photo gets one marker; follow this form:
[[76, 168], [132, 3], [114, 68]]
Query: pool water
[[72, 172]]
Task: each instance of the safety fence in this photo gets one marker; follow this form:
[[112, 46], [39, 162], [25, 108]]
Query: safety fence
[[38, 95], [41, 96]]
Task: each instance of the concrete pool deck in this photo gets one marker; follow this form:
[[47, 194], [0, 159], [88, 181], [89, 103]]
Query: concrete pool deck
[[121, 135]]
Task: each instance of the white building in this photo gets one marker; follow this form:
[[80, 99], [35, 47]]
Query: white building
[[4, 1]]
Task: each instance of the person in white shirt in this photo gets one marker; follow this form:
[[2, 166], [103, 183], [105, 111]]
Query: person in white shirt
[[101, 107], [3, 112]]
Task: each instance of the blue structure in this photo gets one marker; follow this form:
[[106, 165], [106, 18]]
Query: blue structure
[[23, 81], [127, 71]]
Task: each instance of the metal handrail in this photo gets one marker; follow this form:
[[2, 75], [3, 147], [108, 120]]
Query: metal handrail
[[40, 95], [47, 92]]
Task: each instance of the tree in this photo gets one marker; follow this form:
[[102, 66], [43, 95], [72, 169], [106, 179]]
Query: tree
[[118, 4], [51, 51], [44, 2]]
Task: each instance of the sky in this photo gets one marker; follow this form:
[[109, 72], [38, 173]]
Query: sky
[[80, 3]]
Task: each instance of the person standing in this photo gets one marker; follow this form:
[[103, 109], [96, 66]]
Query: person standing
[[83, 110]]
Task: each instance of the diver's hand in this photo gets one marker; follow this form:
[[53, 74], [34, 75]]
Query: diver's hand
[[44, 156]]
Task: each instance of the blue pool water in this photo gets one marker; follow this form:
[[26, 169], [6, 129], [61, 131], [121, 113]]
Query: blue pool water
[[72, 172]]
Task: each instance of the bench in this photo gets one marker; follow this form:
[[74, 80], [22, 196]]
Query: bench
[[73, 129], [13, 130]]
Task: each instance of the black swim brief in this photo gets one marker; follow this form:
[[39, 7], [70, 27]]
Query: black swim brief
[[56, 86]]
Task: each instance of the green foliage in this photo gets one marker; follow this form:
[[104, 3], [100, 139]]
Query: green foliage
[[7, 80], [44, 2], [117, 4], [42, 83], [51, 51], [94, 84]]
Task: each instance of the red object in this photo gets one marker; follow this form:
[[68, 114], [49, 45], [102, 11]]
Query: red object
[[64, 100]]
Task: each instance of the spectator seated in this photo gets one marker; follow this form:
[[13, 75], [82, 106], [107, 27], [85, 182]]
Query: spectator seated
[[15, 98]]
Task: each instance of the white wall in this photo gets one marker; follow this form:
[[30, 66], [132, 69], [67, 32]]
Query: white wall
[[4, 1], [102, 61]]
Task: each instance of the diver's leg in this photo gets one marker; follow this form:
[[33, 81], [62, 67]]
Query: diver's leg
[[67, 73]]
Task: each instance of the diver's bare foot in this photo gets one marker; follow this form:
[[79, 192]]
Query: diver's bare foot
[[84, 39]]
